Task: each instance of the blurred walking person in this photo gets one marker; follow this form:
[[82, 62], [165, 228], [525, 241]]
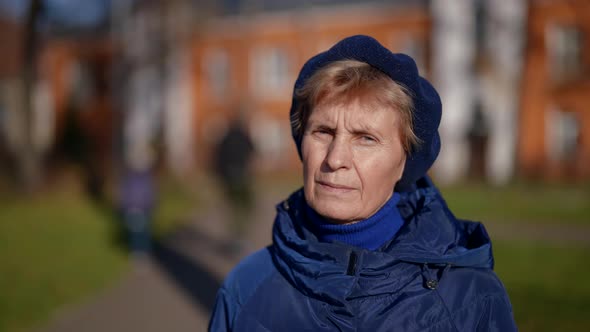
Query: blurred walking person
[[233, 155], [137, 204]]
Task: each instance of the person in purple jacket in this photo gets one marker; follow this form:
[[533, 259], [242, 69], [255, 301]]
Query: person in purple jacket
[[137, 203], [368, 243]]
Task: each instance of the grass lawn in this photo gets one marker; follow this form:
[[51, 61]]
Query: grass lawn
[[54, 250], [532, 203], [177, 202], [547, 285], [57, 248]]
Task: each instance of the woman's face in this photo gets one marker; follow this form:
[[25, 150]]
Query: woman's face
[[352, 159]]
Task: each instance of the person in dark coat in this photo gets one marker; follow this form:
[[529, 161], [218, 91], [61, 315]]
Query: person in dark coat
[[233, 156], [368, 243]]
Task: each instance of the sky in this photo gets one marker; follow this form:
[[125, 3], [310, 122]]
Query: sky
[[66, 13]]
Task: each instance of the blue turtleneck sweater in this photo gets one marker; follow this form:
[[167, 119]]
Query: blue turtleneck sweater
[[370, 233]]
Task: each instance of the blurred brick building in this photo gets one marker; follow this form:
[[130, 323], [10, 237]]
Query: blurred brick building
[[248, 63], [70, 76], [242, 57], [554, 123]]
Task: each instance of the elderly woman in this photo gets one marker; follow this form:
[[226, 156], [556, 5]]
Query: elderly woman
[[368, 244]]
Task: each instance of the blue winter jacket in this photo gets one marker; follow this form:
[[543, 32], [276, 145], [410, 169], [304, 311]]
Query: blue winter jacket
[[434, 275]]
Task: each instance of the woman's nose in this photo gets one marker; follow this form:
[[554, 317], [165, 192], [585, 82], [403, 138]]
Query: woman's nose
[[339, 154]]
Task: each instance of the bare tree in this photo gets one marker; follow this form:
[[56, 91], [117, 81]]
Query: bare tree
[[28, 159]]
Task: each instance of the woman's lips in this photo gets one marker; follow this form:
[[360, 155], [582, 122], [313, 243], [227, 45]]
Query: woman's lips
[[332, 187]]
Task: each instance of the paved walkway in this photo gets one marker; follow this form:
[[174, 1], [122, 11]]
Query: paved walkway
[[176, 289]]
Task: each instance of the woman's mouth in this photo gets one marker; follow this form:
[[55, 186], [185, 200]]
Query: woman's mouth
[[334, 187]]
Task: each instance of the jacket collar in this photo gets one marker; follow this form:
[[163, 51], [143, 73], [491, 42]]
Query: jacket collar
[[431, 235]]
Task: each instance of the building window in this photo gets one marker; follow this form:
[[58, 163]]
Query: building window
[[271, 138], [216, 69], [270, 72], [563, 135], [564, 51]]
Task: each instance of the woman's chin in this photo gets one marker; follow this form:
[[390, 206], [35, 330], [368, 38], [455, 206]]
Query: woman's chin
[[337, 213]]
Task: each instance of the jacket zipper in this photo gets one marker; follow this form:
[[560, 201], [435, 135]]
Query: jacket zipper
[[352, 262]]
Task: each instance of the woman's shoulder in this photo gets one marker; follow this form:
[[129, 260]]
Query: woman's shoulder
[[469, 285], [477, 299], [485, 278], [250, 272]]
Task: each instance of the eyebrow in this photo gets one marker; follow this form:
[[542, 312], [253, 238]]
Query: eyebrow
[[362, 131], [358, 128], [365, 129], [325, 127]]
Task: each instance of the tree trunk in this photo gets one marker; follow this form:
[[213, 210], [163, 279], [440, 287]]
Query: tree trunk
[[28, 158]]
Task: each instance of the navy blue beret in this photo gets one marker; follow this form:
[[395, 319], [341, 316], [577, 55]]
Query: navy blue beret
[[402, 69]]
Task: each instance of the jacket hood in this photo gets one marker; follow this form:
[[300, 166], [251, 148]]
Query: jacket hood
[[336, 272]]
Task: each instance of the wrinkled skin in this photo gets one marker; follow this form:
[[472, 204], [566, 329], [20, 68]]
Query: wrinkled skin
[[352, 158]]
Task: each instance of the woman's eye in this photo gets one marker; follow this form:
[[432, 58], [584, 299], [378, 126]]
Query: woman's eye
[[323, 132], [368, 139]]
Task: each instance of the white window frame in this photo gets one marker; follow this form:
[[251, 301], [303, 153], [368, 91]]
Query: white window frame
[[216, 66], [564, 51], [270, 72]]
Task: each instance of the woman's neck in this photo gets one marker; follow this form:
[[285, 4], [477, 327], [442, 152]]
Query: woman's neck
[[370, 233]]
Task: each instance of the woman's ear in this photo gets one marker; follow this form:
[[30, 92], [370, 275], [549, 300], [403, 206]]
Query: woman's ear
[[401, 168]]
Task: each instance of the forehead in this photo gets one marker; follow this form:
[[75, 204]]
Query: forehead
[[356, 114], [368, 97], [362, 104]]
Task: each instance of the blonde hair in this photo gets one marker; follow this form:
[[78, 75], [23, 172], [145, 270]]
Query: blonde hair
[[343, 80]]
